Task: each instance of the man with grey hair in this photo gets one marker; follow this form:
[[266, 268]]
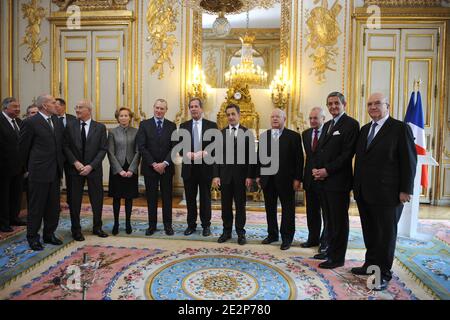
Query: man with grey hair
[[85, 147], [332, 168], [285, 182], [32, 110], [41, 140], [311, 138], [11, 173]]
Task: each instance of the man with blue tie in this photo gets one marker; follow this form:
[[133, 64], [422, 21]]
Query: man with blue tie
[[311, 138], [155, 145]]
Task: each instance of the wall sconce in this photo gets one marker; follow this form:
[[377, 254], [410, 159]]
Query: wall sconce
[[198, 87], [280, 88]]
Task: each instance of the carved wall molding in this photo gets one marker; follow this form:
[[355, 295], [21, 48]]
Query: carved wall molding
[[403, 3], [162, 16], [34, 14], [90, 5]]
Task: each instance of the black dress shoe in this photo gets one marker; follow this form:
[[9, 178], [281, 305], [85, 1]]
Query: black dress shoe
[[329, 264], [115, 230], [18, 223], [285, 245], [308, 244], [150, 231], [36, 246], [224, 237], [360, 271], [383, 285], [321, 256], [206, 231], [241, 239], [78, 237], [6, 229], [269, 240], [189, 231], [100, 233], [53, 240], [169, 230], [128, 228]]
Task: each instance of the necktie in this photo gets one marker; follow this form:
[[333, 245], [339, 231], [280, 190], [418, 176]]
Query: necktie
[[330, 128], [159, 129], [315, 140], [371, 134], [197, 146], [63, 120], [233, 131], [83, 139], [275, 134], [50, 123], [16, 127]]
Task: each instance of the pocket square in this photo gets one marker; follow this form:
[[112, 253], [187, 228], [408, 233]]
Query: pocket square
[[336, 133]]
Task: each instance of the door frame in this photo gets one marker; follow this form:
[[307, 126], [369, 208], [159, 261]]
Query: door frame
[[94, 21], [414, 18]]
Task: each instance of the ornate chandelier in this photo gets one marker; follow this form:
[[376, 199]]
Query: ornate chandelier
[[246, 72], [221, 26]]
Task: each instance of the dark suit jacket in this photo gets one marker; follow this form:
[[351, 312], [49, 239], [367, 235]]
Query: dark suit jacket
[[10, 161], [388, 166], [96, 146], [206, 169], [290, 159], [154, 149], [236, 171], [335, 153], [41, 148], [310, 156]]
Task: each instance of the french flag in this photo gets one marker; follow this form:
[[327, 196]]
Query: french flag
[[414, 118]]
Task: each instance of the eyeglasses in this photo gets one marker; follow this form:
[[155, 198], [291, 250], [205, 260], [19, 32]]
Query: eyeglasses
[[79, 107]]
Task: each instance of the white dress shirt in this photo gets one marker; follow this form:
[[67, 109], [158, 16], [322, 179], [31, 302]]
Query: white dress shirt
[[319, 132], [380, 124], [46, 119], [86, 127], [10, 121], [230, 127]]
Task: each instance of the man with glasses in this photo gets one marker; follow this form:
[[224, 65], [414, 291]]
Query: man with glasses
[[85, 147], [385, 167], [11, 173]]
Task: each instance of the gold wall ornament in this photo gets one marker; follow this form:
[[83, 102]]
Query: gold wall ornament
[[322, 37], [90, 5], [197, 85], [162, 16], [211, 69], [33, 13], [403, 3]]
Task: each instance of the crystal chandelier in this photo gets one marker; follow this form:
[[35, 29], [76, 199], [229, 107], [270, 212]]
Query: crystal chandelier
[[280, 88], [246, 72]]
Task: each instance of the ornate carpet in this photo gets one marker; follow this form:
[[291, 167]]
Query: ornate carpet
[[139, 267]]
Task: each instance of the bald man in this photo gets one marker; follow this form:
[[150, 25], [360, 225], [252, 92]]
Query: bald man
[[41, 140], [385, 168], [284, 182], [85, 147]]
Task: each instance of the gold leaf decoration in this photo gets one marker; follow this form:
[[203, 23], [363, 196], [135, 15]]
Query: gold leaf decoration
[[322, 37], [33, 13], [162, 16]]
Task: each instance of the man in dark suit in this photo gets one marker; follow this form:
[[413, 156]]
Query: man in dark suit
[[65, 118], [385, 168], [41, 140], [333, 169], [284, 148], [11, 173], [85, 147], [311, 138], [196, 173], [235, 173], [155, 145]]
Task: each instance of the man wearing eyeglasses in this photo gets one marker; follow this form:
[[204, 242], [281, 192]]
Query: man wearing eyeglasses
[[85, 147], [385, 167]]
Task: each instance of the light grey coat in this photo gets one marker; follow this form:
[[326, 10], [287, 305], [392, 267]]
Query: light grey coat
[[122, 146]]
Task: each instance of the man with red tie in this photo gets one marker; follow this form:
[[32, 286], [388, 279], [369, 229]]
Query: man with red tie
[[311, 138]]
